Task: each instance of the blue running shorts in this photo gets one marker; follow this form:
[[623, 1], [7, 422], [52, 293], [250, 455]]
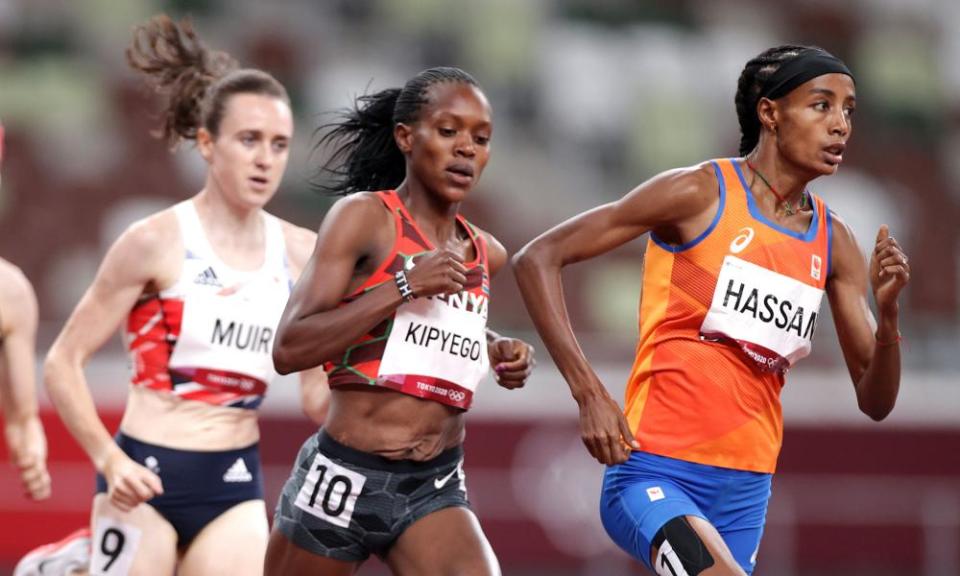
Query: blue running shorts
[[645, 492]]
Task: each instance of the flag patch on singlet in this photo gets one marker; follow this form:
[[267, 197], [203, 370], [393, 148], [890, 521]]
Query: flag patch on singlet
[[655, 493]]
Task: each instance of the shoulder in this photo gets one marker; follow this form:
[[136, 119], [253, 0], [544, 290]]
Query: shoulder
[[14, 285], [299, 242], [693, 186], [845, 250], [18, 301], [839, 226], [361, 219], [496, 252], [152, 235], [149, 249], [671, 196], [691, 183], [843, 236], [361, 205]]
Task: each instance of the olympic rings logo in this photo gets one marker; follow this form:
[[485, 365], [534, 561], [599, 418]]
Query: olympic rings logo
[[457, 395]]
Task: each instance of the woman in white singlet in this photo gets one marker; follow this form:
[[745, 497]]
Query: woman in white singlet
[[198, 290]]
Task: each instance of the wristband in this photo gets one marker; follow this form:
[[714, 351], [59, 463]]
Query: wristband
[[885, 343], [404, 286]]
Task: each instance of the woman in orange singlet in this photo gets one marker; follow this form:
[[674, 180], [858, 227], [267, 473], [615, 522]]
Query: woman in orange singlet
[[738, 258]]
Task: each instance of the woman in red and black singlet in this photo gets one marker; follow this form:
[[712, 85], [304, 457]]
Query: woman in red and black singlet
[[394, 301], [739, 256], [198, 289]]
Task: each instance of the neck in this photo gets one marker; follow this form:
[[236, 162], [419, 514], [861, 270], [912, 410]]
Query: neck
[[434, 216], [225, 215], [786, 178]]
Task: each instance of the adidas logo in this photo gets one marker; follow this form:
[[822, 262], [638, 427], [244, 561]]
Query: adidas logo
[[238, 472], [208, 277]]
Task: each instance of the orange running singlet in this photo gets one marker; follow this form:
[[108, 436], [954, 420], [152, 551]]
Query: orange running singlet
[[721, 320]]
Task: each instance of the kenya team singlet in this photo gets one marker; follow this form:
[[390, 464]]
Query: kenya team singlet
[[433, 347], [209, 337], [721, 320]]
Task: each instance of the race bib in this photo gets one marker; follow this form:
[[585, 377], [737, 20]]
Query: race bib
[[771, 316], [114, 547], [330, 491], [231, 338], [437, 348]]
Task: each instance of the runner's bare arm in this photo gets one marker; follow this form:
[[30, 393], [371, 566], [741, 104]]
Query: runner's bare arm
[[315, 327], [871, 351], [677, 204], [314, 389], [133, 264], [511, 359], [22, 427]]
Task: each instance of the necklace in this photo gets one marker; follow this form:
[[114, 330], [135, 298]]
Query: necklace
[[788, 208]]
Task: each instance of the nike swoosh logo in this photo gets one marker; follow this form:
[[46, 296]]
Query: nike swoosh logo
[[439, 483]]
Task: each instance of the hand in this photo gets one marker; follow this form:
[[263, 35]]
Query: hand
[[604, 430], [512, 361], [889, 270], [129, 483], [28, 452], [437, 272]]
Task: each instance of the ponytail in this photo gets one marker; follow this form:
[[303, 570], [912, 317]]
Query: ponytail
[[365, 155], [196, 81], [179, 67]]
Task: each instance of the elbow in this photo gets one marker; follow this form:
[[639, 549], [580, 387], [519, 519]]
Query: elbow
[[877, 412], [287, 360], [53, 368], [527, 259], [282, 362]]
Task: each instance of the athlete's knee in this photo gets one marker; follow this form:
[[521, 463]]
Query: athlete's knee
[[679, 551]]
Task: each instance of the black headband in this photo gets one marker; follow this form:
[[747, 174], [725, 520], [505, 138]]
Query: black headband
[[807, 65]]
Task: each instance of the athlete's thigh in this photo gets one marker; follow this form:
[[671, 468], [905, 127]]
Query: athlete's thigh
[[136, 543], [690, 545], [447, 542], [286, 558], [233, 543], [744, 543]]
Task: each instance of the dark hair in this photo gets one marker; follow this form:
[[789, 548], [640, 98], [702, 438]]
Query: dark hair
[[754, 77], [196, 81], [366, 156]]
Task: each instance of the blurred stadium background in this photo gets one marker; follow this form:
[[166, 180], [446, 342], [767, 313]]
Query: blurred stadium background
[[591, 97]]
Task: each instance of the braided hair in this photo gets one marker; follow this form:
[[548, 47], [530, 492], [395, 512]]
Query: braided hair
[[755, 75], [365, 155]]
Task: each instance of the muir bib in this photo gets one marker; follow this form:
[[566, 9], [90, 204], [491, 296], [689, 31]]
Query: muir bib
[[239, 330], [209, 337], [771, 316]]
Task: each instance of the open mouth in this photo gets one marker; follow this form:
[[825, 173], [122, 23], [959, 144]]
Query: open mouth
[[835, 153], [259, 181]]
